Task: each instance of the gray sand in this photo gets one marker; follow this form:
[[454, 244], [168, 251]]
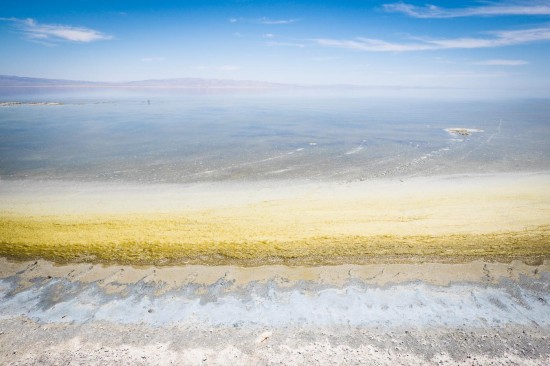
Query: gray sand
[[475, 313]]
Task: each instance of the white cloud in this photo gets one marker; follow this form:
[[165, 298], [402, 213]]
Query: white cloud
[[541, 7], [501, 38], [228, 68], [276, 22], [264, 20], [373, 45], [56, 32], [152, 59], [268, 35], [500, 62], [498, 39]]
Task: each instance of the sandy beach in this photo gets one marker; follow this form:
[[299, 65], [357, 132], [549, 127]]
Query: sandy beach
[[446, 218], [432, 313], [432, 270]]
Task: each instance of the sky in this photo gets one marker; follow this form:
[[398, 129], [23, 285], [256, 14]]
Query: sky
[[500, 44]]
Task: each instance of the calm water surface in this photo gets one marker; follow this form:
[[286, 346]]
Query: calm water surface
[[181, 137]]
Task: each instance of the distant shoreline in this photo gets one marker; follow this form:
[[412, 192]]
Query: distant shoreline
[[138, 86], [9, 81]]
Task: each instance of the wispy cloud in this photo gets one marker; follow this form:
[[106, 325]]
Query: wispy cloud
[[458, 75], [264, 20], [56, 32], [268, 21], [268, 35], [499, 62], [500, 38], [532, 7], [496, 39], [152, 59], [285, 44], [373, 45]]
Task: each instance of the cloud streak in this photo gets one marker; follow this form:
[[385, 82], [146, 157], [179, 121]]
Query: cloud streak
[[152, 59], [496, 39], [285, 44], [432, 11], [268, 21], [56, 32], [499, 62], [264, 21]]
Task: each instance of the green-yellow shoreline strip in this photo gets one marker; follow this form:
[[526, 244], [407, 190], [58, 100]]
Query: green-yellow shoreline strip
[[172, 242]]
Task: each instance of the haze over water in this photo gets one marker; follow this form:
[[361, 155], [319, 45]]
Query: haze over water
[[183, 137]]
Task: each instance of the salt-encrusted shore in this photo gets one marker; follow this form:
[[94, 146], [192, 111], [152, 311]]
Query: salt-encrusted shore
[[473, 313], [432, 270]]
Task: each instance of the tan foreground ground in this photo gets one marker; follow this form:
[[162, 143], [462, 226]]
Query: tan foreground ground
[[474, 313], [453, 218]]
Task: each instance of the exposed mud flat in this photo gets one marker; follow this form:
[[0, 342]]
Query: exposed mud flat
[[472, 313]]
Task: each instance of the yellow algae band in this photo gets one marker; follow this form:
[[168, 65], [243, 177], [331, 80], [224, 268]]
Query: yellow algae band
[[449, 219], [170, 242]]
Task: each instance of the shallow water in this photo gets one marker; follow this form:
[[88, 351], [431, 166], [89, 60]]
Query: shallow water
[[147, 136]]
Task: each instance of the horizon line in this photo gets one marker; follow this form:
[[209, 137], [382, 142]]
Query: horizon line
[[85, 84]]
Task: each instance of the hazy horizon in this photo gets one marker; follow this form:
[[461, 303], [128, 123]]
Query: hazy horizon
[[478, 46]]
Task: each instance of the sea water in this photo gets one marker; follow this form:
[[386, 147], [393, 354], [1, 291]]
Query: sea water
[[154, 136]]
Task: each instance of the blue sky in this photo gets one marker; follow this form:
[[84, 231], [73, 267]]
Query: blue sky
[[456, 44]]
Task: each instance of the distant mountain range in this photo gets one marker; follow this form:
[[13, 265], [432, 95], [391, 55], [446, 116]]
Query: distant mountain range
[[183, 83], [8, 81]]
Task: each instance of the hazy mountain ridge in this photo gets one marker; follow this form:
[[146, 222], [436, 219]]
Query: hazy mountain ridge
[[10, 80], [200, 83]]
